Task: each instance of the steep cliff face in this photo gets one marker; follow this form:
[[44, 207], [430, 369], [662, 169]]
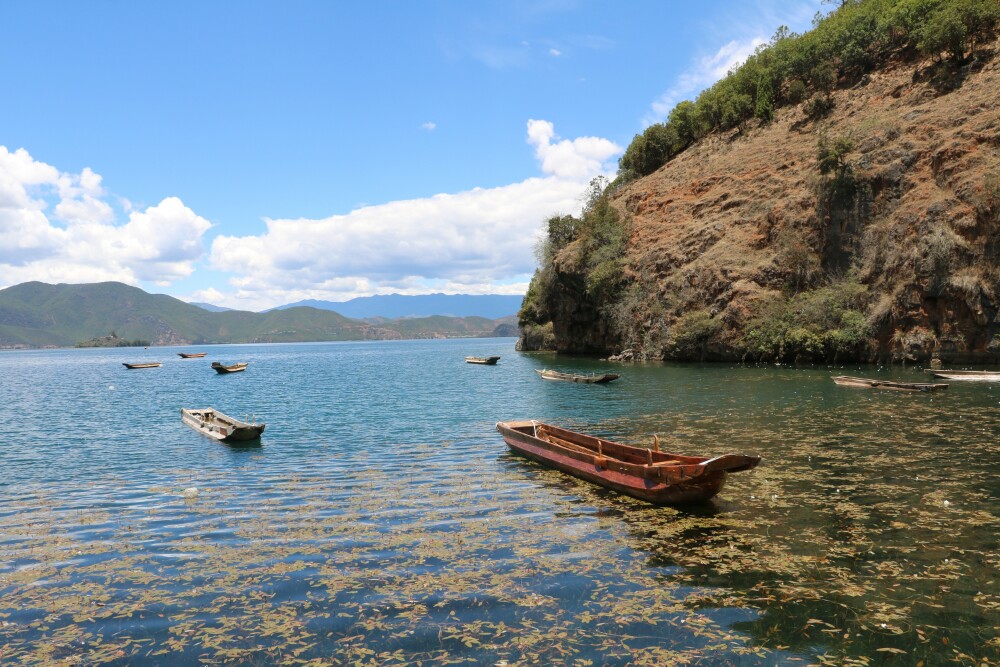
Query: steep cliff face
[[895, 250], [575, 323]]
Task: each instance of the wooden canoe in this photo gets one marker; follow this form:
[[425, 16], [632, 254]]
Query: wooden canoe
[[488, 361], [849, 381], [191, 355], [214, 424], [231, 368], [148, 364], [578, 377], [654, 476], [981, 376]]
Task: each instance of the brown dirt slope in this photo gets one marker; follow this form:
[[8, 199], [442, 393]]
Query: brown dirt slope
[[740, 220]]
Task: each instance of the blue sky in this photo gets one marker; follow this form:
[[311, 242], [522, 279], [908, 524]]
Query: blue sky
[[252, 154]]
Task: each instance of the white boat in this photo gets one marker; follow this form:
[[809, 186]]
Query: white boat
[[214, 424], [980, 376]]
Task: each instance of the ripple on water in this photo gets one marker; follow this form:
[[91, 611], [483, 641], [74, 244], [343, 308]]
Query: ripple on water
[[382, 516]]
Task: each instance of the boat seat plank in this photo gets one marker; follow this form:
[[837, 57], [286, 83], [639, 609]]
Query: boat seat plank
[[624, 458]]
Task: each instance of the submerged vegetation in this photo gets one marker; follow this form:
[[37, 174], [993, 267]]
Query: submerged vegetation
[[841, 555]]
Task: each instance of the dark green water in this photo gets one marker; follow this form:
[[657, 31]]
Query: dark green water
[[382, 521]]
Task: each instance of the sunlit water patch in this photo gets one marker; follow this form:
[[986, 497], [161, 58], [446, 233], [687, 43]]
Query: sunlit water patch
[[381, 520]]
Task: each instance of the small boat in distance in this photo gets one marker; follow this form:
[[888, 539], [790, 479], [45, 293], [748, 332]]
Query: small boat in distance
[[191, 355], [488, 361], [214, 424], [849, 381], [578, 377], [980, 376], [231, 368], [640, 472], [146, 364]]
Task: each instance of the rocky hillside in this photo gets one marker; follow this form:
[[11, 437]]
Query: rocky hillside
[[868, 231]]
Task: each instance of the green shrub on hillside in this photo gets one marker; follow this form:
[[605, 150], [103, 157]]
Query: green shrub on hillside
[[832, 155], [842, 46], [821, 324], [818, 106], [535, 307], [692, 334], [937, 253], [764, 108], [980, 18], [797, 91], [649, 150], [639, 316], [603, 238], [944, 31], [801, 264]]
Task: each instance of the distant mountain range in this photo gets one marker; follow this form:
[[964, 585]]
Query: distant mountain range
[[391, 306], [37, 314], [210, 307]]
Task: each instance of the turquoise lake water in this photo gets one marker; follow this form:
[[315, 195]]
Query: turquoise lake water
[[381, 520]]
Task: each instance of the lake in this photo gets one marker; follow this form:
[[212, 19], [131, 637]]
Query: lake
[[381, 519]]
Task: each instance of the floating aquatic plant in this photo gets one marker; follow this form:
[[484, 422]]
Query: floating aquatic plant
[[830, 553]]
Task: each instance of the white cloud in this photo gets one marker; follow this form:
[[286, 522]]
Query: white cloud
[[703, 73], [555, 53], [58, 227], [64, 227], [579, 159], [476, 241], [429, 126], [163, 242], [209, 295]]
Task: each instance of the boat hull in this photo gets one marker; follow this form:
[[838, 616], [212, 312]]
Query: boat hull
[[574, 377], [849, 381], [143, 365], [191, 355], [967, 376], [233, 368], [485, 361], [218, 426], [617, 467]]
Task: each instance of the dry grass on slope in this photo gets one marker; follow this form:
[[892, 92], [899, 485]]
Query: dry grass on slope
[[739, 220]]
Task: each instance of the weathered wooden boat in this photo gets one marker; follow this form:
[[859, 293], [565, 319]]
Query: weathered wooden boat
[[145, 364], [191, 355], [488, 361], [214, 424], [647, 474], [593, 378], [981, 376], [231, 368], [849, 381]]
